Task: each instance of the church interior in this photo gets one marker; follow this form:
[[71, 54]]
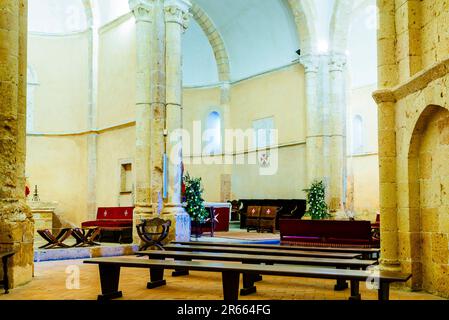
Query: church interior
[[308, 134]]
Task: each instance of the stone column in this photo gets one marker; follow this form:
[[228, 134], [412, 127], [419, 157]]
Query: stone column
[[388, 186], [16, 223], [157, 103], [176, 19], [92, 138], [386, 44], [314, 138], [388, 77], [142, 10], [226, 179], [337, 70]]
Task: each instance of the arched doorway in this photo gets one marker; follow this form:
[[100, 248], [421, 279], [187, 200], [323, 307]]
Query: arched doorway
[[429, 201]]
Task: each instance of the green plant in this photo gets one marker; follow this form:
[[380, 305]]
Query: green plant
[[195, 203], [316, 200]]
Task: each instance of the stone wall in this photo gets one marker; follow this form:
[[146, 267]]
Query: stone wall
[[16, 222], [413, 141]]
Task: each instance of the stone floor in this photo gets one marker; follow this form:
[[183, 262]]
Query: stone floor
[[53, 280]]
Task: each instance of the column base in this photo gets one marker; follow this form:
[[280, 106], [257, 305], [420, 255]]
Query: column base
[[17, 234], [180, 227], [389, 265]]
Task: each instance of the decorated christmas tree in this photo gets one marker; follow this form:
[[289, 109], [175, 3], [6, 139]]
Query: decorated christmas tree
[[195, 203], [316, 200]]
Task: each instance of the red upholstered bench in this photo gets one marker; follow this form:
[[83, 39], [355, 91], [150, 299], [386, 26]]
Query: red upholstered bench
[[327, 233], [113, 219]]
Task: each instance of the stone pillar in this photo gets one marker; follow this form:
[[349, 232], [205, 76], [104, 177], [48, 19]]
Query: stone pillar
[[16, 223], [226, 179], [388, 77], [386, 44], [157, 103], [143, 10], [176, 19], [337, 70], [92, 138], [388, 186], [314, 138]]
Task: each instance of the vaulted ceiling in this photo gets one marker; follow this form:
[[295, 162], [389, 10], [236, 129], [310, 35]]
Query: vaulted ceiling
[[259, 35]]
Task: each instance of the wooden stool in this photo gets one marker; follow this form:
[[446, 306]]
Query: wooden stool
[[86, 236], [55, 241]]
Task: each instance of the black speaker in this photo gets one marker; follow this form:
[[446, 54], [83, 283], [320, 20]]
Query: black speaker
[[298, 52]]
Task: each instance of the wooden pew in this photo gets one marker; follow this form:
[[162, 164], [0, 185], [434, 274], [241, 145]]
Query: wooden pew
[[354, 264], [110, 274], [367, 253], [273, 252], [5, 256]]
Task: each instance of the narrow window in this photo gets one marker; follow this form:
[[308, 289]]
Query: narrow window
[[212, 135], [357, 135]]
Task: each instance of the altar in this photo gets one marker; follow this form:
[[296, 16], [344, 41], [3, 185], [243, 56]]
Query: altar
[[222, 215], [43, 215]]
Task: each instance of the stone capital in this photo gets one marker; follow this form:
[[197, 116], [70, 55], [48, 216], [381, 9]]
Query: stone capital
[[177, 11], [141, 9], [337, 62], [385, 95], [311, 63]]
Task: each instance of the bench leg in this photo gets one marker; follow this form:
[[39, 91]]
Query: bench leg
[[248, 284], [355, 291], [180, 272], [5, 274], [109, 278], [256, 277], [341, 285], [230, 281], [156, 278], [384, 291]]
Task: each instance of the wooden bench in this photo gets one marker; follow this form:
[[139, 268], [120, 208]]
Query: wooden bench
[[110, 275], [5, 256], [367, 253], [356, 264], [273, 252]]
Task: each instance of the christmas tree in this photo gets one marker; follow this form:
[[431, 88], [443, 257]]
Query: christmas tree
[[316, 199], [195, 203]]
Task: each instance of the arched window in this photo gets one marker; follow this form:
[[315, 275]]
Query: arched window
[[32, 82], [212, 135], [357, 135]]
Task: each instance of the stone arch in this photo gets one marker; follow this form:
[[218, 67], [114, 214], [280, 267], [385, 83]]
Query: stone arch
[[428, 200], [215, 40], [303, 14], [341, 23], [88, 8]]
